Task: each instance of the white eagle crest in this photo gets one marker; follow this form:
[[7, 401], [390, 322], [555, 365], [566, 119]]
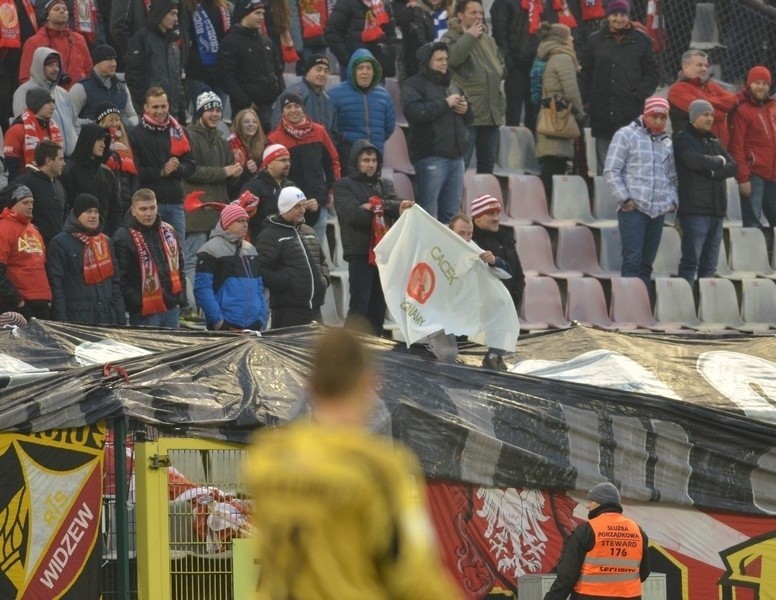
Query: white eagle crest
[[514, 531]]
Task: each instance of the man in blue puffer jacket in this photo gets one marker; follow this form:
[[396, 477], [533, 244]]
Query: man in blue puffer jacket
[[228, 287], [364, 107]]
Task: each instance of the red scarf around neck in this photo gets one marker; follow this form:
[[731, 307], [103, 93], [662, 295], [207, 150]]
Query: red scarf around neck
[[11, 31], [179, 143], [592, 10], [35, 132], [98, 261], [314, 15], [297, 131], [375, 18], [153, 295]]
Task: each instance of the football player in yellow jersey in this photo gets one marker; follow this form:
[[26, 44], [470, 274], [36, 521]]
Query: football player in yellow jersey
[[341, 513]]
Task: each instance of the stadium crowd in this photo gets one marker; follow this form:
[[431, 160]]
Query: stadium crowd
[[127, 193]]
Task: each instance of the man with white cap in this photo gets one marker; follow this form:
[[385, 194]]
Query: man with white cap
[[215, 170], [641, 176], [702, 166], [607, 557], [24, 286], [271, 178], [292, 263]]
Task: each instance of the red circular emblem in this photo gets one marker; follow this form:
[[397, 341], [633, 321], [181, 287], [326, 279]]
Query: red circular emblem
[[421, 283]]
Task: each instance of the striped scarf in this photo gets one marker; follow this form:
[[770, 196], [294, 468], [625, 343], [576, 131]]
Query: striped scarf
[[98, 261], [153, 295], [35, 132]]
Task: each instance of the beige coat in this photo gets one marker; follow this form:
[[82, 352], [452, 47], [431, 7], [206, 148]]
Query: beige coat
[[560, 77], [477, 69]]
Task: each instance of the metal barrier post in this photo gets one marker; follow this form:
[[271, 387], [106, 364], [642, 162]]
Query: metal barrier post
[[121, 491]]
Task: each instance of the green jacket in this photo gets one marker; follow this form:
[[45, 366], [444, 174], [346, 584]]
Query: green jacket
[[478, 69]]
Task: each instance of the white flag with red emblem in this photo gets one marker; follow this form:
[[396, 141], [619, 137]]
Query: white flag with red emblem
[[434, 280]]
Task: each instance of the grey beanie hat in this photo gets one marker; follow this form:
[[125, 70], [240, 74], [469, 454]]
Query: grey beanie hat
[[604, 493], [698, 107]]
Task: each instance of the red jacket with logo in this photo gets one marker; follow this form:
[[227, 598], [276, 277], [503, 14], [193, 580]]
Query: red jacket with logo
[[753, 138], [22, 260]]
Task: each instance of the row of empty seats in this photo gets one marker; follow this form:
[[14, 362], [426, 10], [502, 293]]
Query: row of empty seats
[[630, 310]]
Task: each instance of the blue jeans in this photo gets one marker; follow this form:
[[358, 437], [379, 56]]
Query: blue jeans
[[320, 226], [640, 237], [439, 186], [761, 200], [167, 319], [701, 238], [485, 139], [173, 215], [191, 245]]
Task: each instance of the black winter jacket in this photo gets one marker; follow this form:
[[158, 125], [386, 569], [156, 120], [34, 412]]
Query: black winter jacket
[[344, 29], [48, 215], [354, 190], [250, 67], [151, 150], [292, 264], [701, 174], [616, 78], [267, 189], [510, 30], [417, 28], [435, 130], [154, 59], [129, 265], [75, 301], [89, 175], [502, 245], [577, 546]]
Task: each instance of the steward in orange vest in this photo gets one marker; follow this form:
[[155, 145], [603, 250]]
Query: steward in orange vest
[[605, 558]]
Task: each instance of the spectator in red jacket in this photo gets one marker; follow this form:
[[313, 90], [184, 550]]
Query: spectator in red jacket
[[694, 84], [55, 34], [753, 146], [24, 286], [315, 164]]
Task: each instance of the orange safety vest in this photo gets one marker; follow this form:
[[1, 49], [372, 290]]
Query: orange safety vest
[[611, 568]]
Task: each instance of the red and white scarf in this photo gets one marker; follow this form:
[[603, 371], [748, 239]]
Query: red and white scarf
[[298, 131], [121, 160], [375, 18], [10, 32], [85, 19], [153, 295], [179, 143], [34, 133], [314, 15], [561, 8], [98, 261], [535, 9], [379, 227]]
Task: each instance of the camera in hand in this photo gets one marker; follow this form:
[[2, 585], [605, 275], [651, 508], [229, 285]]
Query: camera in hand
[[560, 102]]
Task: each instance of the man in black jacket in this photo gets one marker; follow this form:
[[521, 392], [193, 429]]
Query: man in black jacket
[[589, 567], [492, 237], [619, 72], [439, 115], [702, 166], [292, 263], [90, 175], [42, 178], [365, 204], [250, 64], [163, 157], [154, 57], [273, 177], [150, 259]]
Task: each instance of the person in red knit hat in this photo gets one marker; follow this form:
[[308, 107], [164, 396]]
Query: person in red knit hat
[[694, 84], [753, 146], [24, 287]]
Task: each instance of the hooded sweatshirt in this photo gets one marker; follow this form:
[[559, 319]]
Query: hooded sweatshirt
[[89, 175], [64, 115], [363, 113]]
